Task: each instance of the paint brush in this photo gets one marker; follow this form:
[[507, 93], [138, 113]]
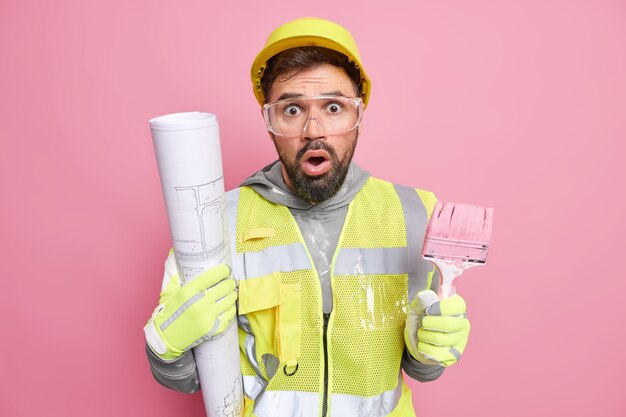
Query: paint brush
[[457, 239]]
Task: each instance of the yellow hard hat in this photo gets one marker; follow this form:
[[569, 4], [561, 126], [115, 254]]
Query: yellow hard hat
[[308, 31]]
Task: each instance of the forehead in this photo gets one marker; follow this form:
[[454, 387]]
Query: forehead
[[320, 80]]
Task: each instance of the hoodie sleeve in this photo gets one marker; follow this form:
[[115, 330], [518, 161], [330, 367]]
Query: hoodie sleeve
[[180, 374], [418, 371]]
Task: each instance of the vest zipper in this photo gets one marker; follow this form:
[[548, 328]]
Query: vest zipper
[[325, 343]]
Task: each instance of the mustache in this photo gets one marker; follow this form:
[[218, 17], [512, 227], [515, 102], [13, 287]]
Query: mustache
[[315, 146]]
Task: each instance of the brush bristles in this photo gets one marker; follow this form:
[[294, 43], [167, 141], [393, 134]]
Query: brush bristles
[[461, 222]]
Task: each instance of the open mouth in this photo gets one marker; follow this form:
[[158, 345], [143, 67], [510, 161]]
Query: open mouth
[[316, 162]]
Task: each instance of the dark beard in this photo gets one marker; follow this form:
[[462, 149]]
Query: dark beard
[[322, 187]]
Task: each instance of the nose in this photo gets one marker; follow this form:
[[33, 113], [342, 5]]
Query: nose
[[313, 130]]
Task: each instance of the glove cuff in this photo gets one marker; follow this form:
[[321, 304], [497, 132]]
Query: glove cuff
[[155, 339]]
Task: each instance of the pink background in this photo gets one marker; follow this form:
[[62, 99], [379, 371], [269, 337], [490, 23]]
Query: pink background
[[518, 105]]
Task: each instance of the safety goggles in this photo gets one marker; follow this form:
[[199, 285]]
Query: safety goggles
[[293, 116]]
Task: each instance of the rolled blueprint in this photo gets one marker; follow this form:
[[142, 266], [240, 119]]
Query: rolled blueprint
[[187, 148]]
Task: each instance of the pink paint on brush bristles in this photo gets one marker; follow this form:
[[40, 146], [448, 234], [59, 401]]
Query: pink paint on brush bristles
[[457, 239]]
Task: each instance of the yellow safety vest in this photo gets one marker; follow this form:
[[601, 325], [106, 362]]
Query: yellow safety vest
[[296, 362]]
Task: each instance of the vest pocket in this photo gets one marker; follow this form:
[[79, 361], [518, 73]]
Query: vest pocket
[[259, 299], [273, 311]]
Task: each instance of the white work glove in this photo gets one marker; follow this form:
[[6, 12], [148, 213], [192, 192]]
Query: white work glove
[[436, 330], [190, 314]]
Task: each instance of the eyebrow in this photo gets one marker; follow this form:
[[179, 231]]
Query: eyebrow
[[335, 93]]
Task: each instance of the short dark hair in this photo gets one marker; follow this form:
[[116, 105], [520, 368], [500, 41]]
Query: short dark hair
[[305, 57]]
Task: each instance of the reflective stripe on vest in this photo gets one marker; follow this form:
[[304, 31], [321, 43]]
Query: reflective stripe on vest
[[285, 258], [344, 405], [420, 270], [287, 404], [291, 403], [369, 261]]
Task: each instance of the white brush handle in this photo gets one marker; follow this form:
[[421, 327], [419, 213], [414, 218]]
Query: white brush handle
[[450, 270]]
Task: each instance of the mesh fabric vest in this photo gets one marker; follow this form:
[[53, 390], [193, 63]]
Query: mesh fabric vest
[[296, 363]]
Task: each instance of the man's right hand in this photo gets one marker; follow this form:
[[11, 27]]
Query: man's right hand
[[187, 315]]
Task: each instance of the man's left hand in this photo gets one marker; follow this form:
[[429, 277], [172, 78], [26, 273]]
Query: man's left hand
[[436, 329]]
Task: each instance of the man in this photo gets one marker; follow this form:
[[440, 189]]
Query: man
[[333, 298]]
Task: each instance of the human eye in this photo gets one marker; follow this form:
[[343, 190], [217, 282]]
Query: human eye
[[333, 107], [292, 110]]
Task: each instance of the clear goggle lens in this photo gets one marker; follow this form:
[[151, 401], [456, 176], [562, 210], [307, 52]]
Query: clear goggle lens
[[292, 116]]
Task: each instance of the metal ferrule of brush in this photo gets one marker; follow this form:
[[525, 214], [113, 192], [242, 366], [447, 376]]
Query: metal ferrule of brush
[[442, 248]]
